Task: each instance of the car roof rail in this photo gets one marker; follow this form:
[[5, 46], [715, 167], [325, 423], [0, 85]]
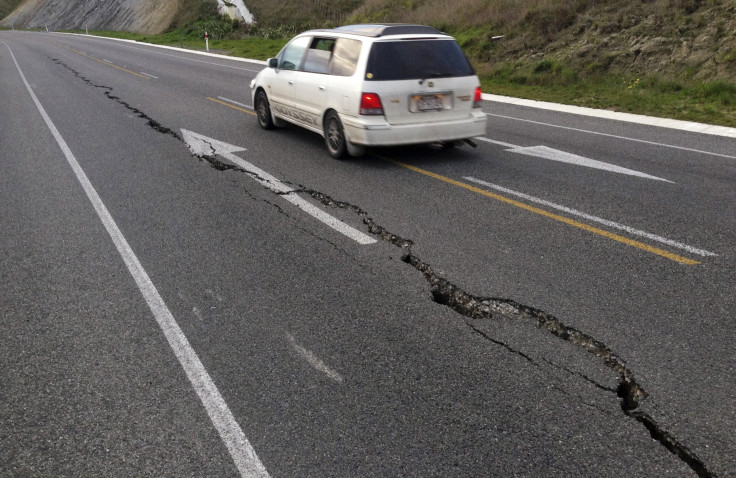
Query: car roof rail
[[379, 30]]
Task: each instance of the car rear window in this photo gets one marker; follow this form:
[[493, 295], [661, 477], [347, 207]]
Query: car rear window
[[416, 59]]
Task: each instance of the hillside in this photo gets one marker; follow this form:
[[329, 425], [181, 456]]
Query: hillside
[[129, 15], [672, 38], [672, 58], [7, 6]]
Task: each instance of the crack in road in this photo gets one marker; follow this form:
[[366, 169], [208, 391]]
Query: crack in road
[[208, 158], [444, 292], [155, 125], [629, 391]]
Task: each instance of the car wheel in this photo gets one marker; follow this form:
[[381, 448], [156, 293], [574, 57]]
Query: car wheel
[[263, 110], [335, 136]]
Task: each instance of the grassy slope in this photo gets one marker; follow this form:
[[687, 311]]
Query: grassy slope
[[7, 6], [672, 58]]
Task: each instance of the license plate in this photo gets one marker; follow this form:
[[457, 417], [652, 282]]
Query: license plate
[[428, 102]]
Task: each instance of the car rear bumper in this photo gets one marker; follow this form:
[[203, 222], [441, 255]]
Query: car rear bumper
[[375, 131]]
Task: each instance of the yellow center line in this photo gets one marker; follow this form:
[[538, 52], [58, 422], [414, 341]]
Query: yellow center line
[[108, 64], [232, 106], [556, 217]]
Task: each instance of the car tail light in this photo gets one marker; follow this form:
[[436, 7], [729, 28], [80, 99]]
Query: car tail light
[[478, 98], [370, 104]]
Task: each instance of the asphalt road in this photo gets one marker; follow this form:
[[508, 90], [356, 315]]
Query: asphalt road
[[555, 302]]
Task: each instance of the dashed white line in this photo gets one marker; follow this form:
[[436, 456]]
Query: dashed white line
[[605, 222], [235, 102], [313, 360], [148, 74]]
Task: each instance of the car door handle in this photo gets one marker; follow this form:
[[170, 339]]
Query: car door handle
[[322, 87], [291, 82]]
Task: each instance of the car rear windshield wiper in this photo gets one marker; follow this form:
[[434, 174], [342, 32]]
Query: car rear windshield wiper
[[435, 75]]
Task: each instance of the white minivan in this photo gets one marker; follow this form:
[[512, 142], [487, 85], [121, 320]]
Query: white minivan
[[372, 85]]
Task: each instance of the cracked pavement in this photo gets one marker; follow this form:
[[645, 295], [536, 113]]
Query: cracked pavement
[[438, 380], [444, 292]]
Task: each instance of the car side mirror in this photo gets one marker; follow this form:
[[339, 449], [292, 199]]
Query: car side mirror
[[273, 62]]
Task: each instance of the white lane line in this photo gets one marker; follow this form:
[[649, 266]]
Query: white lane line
[[232, 435], [653, 143], [148, 74], [313, 360], [574, 212], [235, 102], [107, 61]]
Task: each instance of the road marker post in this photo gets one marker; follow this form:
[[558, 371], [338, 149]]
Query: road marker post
[[207, 41]]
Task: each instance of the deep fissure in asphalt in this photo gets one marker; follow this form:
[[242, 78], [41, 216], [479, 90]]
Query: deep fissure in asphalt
[[629, 392], [443, 292]]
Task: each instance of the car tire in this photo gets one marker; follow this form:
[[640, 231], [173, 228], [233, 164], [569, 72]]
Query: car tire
[[335, 136], [263, 110]]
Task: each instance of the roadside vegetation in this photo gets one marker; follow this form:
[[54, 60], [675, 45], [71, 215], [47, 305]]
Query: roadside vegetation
[[7, 6], [669, 58]]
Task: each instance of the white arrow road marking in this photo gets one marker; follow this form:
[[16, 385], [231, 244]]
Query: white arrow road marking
[[574, 212], [203, 146], [232, 435], [546, 152]]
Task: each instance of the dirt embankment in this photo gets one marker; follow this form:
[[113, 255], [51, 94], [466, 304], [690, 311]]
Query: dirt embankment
[[700, 43], [144, 16]]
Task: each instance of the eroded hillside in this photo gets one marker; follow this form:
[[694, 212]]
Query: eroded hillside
[[670, 38], [143, 16]]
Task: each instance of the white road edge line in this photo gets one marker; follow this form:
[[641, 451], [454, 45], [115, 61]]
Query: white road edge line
[[232, 435], [234, 102], [173, 48], [681, 125], [605, 222], [313, 360]]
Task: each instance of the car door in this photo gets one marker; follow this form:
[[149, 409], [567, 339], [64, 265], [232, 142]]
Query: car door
[[313, 82], [282, 83]]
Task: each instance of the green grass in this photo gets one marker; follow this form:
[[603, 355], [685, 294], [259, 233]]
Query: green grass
[[711, 102], [547, 80], [7, 6]]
